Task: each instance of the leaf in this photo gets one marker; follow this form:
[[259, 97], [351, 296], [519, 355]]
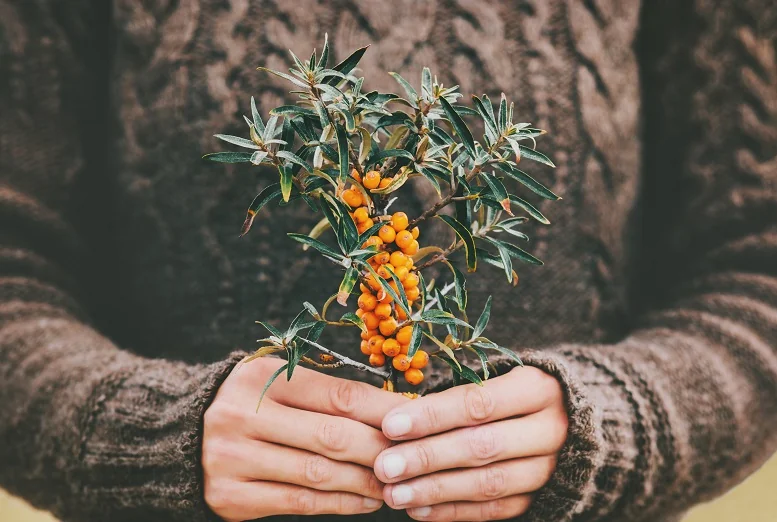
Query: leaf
[[347, 284], [415, 340], [516, 252], [270, 328], [480, 326], [465, 235], [460, 287], [366, 144], [269, 130], [429, 175], [483, 360], [258, 157], [444, 347], [292, 79], [311, 310], [399, 179], [348, 65], [386, 288], [500, 349], [318, 245], [293, 158], [265, 196], [443, 318], [294, 110], [502, 114], [236, 140], [529, 182], [411, 92], [499, 191], [272, 378], [350, 123], [258, 123], [531, 209], [342, 151], [463, 371], [535, 155], [402, 294], [229, 157], [426, 82], [391, 153], [324, 52], [460, 127], [287, 180], [350, 317], [507, 262]]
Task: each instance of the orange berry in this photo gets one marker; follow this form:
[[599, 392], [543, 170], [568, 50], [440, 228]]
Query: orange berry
[[359, 312], [361, 214], [412, 293], [365, 289], [411, 249], [376, 344], [420, 360], [416, 232], [401, 272], [409, 263], [385, 271], [383, 311], [399, 221], [372, 179], [387, 234], [372, 241], [401, 363], [365, 348], [384, 297], [398, 258], [411, 280], [352, 198], [371, 320], [363, 226], [369, 333], [403, 239], [405, 334], [385, 182], [405, 348], [378, 359], [393, 286], [391, 347], [373, 284], [366, 201], [367, 302], [401, 315], [387, 326], [381, 258], [355, 175], [413, 376]]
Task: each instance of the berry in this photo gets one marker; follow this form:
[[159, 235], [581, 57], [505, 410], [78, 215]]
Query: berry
[[411, 249], [401, 363], [378, 359], [405, 334], [401, 272], [365, 347], [399, 221], [387, 326], [371, 320], [352, 198], [387, 234], [367, 302], [397, 258], [420, 360], [385, 182], [355, 175], [383, 311], [385, 271], [391, 347], [364, 225], [372, 179], [411, 280], [381, 258], [413, 376], [412, 293], [376, 344], [359, 312], [372, 283], [404, 239], [416, 232], [401, 315], [384, 297], [361, 214], [404, 349], [369, 333], [372, 241]]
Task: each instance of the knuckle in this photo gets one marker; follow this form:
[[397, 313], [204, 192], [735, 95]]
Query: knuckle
[[346, 504], [493, 482], [317, 469], [220, 415], [301, 501], [494, 510], [218, 496], [483, 443], [330, 433], [346, 396], [213, 453], [479, 403], [432, 417], [433, 490], [425, 455]]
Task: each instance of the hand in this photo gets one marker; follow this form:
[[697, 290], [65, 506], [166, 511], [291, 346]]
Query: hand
[[308, 450], [471, 452]]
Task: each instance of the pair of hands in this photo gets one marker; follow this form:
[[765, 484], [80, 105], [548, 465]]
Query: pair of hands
[[324, 445]]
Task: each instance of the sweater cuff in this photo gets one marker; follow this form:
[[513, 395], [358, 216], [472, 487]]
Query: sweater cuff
[[141, 451]]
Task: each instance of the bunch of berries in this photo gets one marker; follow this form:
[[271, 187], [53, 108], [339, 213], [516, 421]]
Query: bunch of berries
[[386, 337]]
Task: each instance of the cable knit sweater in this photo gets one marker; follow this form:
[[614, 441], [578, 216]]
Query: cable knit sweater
[[124, 286]]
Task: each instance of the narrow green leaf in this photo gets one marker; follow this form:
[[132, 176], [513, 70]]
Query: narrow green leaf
[[294, 110], [499, 191], [460, 127], [532, 154], [391, 153], [443, 318], [293, 158], [486, 115], [516, 252], [469, 243], [311, 310], [236, 140], [529, 182], [229, 157], [287, 180], [385, 286], [444, 347], [348, 65], [500, 349], [502, 114], [483, 360], [265, 196], [272, 378], [480, 326], [415, 339], [292, 79], [318, 245], [460, 287], [350, 317], [426, 82], [324, 52], [270, 328], [411, 92], [531, 209], [342, 151], [258, 123], [402, 294]]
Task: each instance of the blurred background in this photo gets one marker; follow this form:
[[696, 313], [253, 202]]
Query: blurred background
[[753, 501]]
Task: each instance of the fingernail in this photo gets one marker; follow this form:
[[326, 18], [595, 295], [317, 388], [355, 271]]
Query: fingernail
[[372, 503], [394, 465], [420, 512], [402, 495], [398, 425]]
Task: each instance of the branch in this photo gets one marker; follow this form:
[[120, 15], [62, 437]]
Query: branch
[[444, 202], [347, 360]]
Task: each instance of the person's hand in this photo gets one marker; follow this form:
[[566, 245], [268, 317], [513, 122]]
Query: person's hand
[[308, 450], [471, 452]]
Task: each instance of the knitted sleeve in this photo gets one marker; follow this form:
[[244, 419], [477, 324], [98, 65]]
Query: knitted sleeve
[[87, 431], [685, 406]]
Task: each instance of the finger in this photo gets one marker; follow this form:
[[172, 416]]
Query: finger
[[250, 500], [522, 391], [541, 433], [338, 438], [500, 509], [315, 391], [502, 479], [271, 462]]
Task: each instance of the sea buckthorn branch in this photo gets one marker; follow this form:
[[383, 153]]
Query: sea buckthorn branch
[[348, 153]]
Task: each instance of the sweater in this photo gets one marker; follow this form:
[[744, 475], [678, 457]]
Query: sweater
[[126, 295]]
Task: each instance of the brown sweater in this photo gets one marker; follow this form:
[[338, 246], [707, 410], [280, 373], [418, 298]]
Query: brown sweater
[[124, 286]]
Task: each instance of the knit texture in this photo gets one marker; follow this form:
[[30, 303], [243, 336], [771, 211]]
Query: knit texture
[[124, 287]]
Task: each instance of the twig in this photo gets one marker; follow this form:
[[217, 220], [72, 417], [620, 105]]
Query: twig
[[444, 291], [347, 360], [444, 202]]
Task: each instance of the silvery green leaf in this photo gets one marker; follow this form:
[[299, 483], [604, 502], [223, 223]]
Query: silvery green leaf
[[236, 140], [258, 157]]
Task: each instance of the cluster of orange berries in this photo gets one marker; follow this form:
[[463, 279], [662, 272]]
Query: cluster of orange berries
[[384, 337]]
